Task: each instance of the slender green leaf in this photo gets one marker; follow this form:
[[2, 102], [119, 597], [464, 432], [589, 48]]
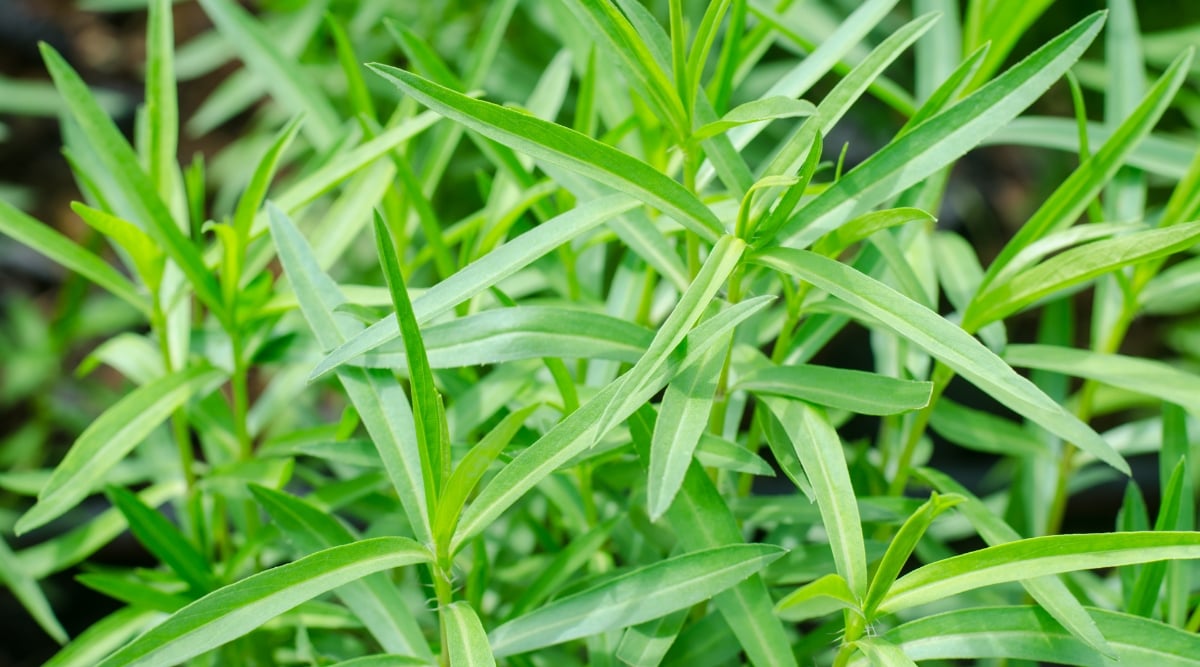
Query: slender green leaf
[[483, 273], [110, 438], [279, 73], [762, 109], [902, 546], [162, 106], [856, 391], [681, 421], [983, 431], [562, 147], [470, 471], [374, 599], [647, 644], [121, 164], [164, 539], [26, 590], [239, 608], [580, 430], [940, 140], [1035, 557], [950, 344], [66, 252], [823, 596], [375, 393], [466, 642], [1144, 376], [1076, 266], [1028, 633], [646, 593], [820, 452], [426, 401]]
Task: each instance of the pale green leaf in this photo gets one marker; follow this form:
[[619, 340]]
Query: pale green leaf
[[562, 147], [239, 608], [110, 438], [856, 391], [950, 344], [1035, 557], [466, 642], [646, 593]]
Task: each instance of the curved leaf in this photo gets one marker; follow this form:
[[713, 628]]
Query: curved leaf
[[646, 593]]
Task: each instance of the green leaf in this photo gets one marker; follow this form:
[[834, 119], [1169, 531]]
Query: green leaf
[[164, 539], [643, 594], [1072, 197], [983, 431], [470, 471], [147, 258], [856, 391], [817, 598], [942, 139], [865, 225], [902, 546], [580, 430], [103, 637], [483, 273], [66, 252], [374, 599], [375, 393], [25, 589], [564, 148], [466, 642], [521, 332], [1035, 557], [720, 453], [1076, 266], [1028, 633], [882, 653], [239, 608], [682, 419], [252, 197], [820, 452], [1144, 376], [162, 107], [110, 438], [1049, 591], [950, 344], [577, 553], [701, 519], [717, 267], [282, 75], [121, 163], [762, 109], [426, 401]]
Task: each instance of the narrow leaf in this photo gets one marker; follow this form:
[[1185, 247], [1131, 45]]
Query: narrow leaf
[[629, 599], [110, 438], [950, 344], [562, 147], [239, 608], [1035, 557], [466, 642], [856, 391]]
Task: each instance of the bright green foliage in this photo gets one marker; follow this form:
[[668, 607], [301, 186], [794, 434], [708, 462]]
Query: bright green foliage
[[525, 343]]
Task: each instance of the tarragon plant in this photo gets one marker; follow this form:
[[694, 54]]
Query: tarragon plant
[[503, 347]]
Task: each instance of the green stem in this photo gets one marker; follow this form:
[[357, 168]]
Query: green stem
[[445, 596], [941, 378]]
